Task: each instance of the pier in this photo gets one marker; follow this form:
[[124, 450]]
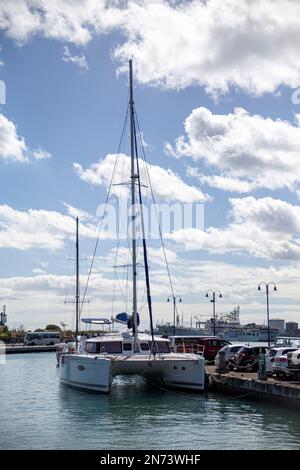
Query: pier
[[21, 349], [248, 383]]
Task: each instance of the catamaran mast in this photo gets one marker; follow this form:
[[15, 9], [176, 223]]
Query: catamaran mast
[[133, 177], [77, 281]]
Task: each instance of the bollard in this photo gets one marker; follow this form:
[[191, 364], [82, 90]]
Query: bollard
[[262, 369], [220, 362]]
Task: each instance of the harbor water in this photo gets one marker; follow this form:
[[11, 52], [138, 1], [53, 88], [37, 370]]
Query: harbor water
[[40, 413]]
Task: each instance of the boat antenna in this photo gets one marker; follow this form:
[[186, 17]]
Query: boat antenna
[[133, 177]]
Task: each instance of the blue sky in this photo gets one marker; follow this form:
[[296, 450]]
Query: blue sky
[[66, 97]]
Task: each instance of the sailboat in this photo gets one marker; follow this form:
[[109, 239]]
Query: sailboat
[[96, 361]]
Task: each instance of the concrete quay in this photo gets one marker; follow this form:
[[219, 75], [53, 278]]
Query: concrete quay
[[21, 349], [247, 383]]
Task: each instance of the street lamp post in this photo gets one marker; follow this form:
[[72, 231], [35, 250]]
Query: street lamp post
[[267, 285], [213, 300], [174, 298]]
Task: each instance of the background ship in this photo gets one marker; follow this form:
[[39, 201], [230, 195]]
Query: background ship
[[228, 327]]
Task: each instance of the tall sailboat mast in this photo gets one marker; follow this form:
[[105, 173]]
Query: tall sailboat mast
[[133, 177], [77, 280]]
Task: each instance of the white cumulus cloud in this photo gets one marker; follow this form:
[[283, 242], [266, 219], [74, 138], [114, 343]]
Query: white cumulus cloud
[[265, 228], [165, 183], [79, 60], [252, 45], [42, 229], [41, 154], [12, 146], [249, 151]]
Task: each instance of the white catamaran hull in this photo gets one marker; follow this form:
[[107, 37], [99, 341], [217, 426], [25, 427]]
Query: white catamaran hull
[[186, 372], [172, 370], [86, 372]]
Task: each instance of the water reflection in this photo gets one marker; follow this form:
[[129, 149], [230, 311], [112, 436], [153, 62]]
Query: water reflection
[[133, 415]]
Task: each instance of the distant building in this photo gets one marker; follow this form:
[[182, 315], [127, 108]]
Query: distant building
[[279, 324], [3, 316], [291, 328]]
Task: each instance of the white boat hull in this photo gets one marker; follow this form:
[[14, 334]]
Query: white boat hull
[[172, 370], [182, 371], [86, 372]]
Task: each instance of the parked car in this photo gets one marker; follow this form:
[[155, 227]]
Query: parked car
[[246, 359], [280, 366], [270, 356], [230, 351], [275, 353], [293, 366], [208, 345], [272, 353]]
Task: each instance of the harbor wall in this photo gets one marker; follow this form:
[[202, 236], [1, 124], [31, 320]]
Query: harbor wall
[[273, 390], [20, 349]]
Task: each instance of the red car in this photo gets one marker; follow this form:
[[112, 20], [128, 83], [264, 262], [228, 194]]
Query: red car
[[246, 359], [208, 345]]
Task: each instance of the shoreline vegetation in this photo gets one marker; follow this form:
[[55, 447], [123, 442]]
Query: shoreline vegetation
[[16, 335]]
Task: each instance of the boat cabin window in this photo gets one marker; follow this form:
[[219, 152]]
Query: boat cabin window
[[111, 347], [162, 346], [127, 347], [178, 341], [91, 347], [104, 347], [192, 340], [144, 346]]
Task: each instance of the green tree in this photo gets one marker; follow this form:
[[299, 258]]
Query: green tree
[[53, 328]]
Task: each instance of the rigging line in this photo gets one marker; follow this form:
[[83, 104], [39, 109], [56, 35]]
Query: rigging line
[[156, 214], [85, 275], [144, 239], [122, 191], [118, 238], [123, 227], [101, 223], [121, 290], [143, 304], [69, 272], [113, 299], [115, 262], [127, 280], [127, 261], [143, 301]]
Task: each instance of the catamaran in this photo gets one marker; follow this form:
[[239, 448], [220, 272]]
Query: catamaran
[[94, 362]]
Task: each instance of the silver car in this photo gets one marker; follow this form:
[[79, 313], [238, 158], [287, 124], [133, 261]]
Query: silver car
[[294, 364], [280, 364], [273, 355]]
